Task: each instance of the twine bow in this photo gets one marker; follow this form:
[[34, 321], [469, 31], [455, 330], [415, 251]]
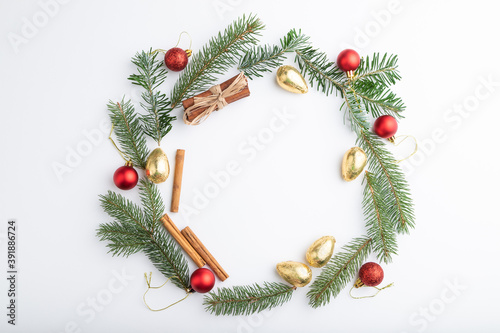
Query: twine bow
[[213, 102]]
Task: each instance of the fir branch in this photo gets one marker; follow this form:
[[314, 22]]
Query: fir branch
[[246, 300], [151, 74], [394, 187], [315, 64], [383, 72], [261, 59], [355, 111], [379, 100], [339, 271], [129, 131], [151, 200], [380, 229], [134, 231], [216, 57]]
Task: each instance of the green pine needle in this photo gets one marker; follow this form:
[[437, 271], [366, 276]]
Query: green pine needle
[[136, 230], [261, 59], [151, 74], [341, 269], [216, 58], [380, 228], [246, 300]]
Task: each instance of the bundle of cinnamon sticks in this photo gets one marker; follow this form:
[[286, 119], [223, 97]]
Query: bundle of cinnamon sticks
[[240, 93]]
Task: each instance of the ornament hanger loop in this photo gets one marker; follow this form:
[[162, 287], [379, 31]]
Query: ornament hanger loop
[[128, 160], [378, 290], [400, 142], [188, 50], [159, 50], [148, 282]]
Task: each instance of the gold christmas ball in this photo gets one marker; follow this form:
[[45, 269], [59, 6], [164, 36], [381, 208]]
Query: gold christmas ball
[[157, 167], [320, 252], [295, 273], [290, 79], [353, 163]]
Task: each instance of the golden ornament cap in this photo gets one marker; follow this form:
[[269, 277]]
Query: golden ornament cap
[[290, 79], [295, 273], [157, 166], [353, 163], [320, 252]]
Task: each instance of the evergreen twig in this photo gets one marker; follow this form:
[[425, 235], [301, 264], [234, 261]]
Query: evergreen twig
[[261, 59], [380, 229], [379, 100], [129, 131], [134, 230], [382, 71], [394, 188], [216, 57], [339, 271], [245, 300], [151, 74], [322, 72]]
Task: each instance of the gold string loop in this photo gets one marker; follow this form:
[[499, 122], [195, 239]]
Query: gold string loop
[[378, 290], [128, 160], [188, 50], [148, 282], [400, 142]]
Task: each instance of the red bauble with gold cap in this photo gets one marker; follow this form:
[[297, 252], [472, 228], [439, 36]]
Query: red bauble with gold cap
[[371, 274], [348, 60], [385, 126], [125, 177], [202, 280], [176, 59]]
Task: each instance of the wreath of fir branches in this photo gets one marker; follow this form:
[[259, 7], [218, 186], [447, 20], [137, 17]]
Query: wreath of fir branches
[[387, 205]]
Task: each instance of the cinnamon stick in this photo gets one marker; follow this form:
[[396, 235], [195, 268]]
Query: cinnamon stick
[[230, 99], [176, 189], [174, 231], [205, 254]]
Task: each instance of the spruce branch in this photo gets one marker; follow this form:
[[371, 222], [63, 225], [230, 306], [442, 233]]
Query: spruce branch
[[355, 111], [339, 271], [322, 72], [261, 59], [129, 131], [246, 300], [134, 230], [216, 57], [380, 228], [381, 71], [151, 74], [378, 100], [394, 187]]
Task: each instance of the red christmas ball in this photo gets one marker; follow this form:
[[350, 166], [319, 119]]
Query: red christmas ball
[[348, 60], [202, 280], [176, 59], [371, 274], [125, 177], [385, 126]]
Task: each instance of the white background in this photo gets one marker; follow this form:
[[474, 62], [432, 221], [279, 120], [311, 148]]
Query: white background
[[54, 89]]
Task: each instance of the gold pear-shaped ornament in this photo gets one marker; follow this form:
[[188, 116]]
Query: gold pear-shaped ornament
[[295, 273], [290, 79], [353, 163], [157, 166], [320, 252]]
